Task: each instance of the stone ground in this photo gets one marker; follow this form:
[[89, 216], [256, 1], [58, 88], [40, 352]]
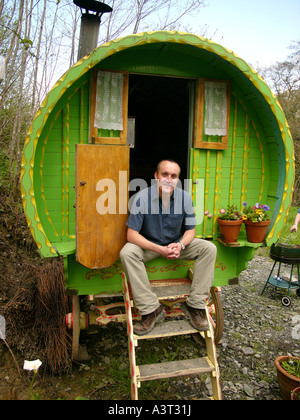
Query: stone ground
[[257, 329]]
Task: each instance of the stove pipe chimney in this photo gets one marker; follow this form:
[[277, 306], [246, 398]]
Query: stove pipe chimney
[[90, 24]]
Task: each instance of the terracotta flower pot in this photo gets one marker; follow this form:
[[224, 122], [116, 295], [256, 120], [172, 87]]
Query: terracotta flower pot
[[256, 232], [229, 229], [287, 383], [295, 396]]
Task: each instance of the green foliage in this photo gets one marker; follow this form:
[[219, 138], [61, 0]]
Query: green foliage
[[257, 213], [286, 236], [4, 173], [292, 366], [26, 42]]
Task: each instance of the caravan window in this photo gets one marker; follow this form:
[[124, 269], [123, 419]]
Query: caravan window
[[212, 114], [109, 107]]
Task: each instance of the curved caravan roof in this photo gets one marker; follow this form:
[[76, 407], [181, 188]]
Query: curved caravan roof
[[62, 119]]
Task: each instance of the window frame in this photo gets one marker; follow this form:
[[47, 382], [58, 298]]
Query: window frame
[[95, 133], [199, 143]]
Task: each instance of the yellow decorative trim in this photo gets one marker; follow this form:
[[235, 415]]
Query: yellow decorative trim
[[112, 47]]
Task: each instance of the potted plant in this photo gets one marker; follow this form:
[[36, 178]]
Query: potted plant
[[256, 220], [288, 374], [295, 396], [230, 222]]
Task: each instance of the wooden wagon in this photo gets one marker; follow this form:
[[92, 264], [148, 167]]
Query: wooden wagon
[[73, 165]]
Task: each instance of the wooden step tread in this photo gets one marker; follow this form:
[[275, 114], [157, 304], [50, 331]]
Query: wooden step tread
[[170, 282], [174, 369], [168, 329], [172, 291]]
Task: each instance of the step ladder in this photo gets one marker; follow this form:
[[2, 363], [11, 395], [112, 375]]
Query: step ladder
[[169, 292]]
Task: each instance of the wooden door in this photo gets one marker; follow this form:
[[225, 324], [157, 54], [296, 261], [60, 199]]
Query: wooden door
[[102, 174]]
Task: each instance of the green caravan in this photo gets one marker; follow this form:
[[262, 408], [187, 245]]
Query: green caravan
[[163, 84]]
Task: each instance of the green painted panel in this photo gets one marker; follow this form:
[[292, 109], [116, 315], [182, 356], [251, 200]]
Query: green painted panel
[[230, 262], [256, 166], [88, 282], [240, 173], [55, 155]]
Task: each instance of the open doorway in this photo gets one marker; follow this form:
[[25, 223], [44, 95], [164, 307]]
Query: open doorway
[[161, 107]]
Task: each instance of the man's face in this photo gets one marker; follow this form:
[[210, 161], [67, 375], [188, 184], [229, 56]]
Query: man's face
[[167, 177]]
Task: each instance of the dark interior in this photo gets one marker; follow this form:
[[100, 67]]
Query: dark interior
[[160, 106]]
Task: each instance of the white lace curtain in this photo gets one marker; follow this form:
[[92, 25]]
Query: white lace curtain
[[109, 98], [215, 123]]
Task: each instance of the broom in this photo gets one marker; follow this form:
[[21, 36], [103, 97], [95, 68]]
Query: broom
[[50, 314]]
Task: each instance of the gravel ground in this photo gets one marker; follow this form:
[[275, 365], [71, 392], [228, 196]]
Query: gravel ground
[[257, 329]]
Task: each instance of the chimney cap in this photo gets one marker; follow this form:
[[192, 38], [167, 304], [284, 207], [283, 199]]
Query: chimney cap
[[93, 6]]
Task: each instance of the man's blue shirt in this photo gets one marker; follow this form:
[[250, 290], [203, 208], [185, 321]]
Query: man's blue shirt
[[149, 217]]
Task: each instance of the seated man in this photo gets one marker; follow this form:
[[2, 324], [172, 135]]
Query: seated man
[[162, 223]]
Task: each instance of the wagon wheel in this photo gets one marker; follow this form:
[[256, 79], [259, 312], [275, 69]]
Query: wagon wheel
[[215, 309], [286, 301]]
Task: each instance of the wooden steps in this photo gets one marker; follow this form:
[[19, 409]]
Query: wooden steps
[[168, 329], [172, 292], [172, 369], [169, 291]]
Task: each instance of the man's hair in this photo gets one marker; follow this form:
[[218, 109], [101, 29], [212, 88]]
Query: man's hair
[[168, 160]]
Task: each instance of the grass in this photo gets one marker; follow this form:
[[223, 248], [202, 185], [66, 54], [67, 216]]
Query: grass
[[285, 235]]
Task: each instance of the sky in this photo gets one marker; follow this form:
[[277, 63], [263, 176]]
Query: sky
[[259, 31]]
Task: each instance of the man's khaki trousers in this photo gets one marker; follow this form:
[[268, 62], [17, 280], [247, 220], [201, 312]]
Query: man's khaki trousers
[[201, 251]]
